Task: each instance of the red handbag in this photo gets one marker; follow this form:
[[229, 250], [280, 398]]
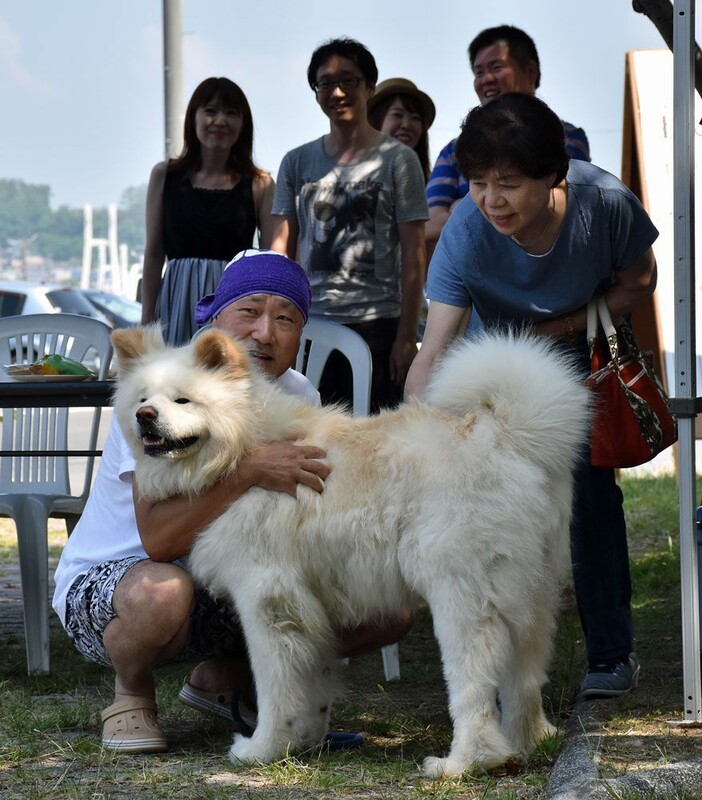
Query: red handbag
[[631, 420]]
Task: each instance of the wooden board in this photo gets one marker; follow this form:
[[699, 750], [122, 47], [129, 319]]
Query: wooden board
[[647, 168]]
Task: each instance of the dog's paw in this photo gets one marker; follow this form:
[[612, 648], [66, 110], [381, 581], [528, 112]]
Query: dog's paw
[[309, 730], [244, 750], [524, 741], [452, 766], [535, 737], [546, 730], [434, 767]]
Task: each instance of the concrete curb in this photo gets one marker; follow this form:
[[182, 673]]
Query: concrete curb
[[575, 775]]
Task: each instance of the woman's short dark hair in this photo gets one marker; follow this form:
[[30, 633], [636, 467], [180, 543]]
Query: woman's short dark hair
[[344, 48], [376, 117], [230, 95], [513, 130]]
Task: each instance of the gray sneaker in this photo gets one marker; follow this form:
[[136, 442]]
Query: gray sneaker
[[610, 680]]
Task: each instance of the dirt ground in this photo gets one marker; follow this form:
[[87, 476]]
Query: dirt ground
[[635, 733]]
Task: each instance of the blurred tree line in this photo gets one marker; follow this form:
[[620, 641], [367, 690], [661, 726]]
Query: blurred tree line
[[26, 216]]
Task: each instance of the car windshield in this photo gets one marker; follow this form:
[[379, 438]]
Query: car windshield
[[70, 302], [129, 309]]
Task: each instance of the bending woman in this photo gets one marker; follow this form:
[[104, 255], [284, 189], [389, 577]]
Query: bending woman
[[538, 236], [202, 208]]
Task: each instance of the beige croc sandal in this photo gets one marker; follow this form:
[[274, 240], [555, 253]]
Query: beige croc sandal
[[130, 726], [219, 703]]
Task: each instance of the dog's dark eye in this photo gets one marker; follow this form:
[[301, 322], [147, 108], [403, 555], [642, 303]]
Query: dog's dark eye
[[182, 400]]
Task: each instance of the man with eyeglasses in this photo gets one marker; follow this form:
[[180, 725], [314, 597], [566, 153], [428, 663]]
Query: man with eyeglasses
[[351, 207]]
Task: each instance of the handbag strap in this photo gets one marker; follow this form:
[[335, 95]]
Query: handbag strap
[[591, 322], [597, 308]]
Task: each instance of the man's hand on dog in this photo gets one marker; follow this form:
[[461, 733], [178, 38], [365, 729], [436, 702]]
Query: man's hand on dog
[[281, 466]]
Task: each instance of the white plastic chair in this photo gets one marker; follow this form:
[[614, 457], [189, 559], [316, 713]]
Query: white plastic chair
[[34, 488], [319, 338]]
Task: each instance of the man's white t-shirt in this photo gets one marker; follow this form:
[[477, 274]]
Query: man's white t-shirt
[[107, 529]]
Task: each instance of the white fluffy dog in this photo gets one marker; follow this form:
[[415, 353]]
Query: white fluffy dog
[[463, 499]]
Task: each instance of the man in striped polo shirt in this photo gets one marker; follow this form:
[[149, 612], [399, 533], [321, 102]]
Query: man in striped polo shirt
[[503, 59]]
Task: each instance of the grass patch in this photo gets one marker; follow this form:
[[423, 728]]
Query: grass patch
[[49, 729]]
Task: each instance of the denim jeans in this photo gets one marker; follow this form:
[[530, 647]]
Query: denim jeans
[[600, 558], [600, 555]]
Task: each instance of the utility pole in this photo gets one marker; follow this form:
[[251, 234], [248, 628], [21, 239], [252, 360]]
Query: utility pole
[[173, 75]]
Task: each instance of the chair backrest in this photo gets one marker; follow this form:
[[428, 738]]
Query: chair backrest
[[319, 338], [23, 339]]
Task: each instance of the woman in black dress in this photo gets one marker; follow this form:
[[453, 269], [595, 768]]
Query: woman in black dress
[[202, 208]]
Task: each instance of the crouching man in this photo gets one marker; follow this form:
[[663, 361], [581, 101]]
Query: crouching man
[[123, 591]]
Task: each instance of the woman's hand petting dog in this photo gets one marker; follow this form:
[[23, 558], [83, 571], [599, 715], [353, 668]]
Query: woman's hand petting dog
[[281, 466]]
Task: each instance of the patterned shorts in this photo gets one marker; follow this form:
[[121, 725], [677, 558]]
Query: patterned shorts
[[214, 626]]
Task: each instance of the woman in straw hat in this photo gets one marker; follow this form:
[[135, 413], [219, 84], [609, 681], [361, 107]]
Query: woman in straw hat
[[399, 109]]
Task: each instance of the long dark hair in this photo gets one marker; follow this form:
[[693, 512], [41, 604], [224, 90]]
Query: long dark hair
[[514, 129], [376, 118], [230, 95]]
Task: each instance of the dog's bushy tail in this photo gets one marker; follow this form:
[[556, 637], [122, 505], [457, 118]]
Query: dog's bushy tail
[[529, 386]]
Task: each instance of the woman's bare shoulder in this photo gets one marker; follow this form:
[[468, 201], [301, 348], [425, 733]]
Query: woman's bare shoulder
[[158, 173], [263, 180]]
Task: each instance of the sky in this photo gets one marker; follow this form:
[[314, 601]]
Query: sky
[[81, 81]]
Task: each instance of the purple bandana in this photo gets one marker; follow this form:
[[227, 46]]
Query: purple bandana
[[257, 272]]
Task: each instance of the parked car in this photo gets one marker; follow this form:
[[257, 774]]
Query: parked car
[[25, 297], [18, 298], [121, 312]]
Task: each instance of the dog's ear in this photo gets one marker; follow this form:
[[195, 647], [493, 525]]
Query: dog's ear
[[217, 349], [131, 343]]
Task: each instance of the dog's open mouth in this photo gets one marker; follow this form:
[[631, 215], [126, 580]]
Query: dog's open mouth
[[159, 446]]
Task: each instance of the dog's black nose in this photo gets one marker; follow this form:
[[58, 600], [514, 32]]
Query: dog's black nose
[[146, 414], [147, 420]]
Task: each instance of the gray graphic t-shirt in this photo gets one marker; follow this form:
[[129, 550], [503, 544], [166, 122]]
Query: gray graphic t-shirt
[[348, 216]]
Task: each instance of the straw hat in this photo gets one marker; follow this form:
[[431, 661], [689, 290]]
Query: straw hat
[[393, 86]]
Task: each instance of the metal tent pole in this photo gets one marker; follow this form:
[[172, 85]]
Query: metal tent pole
[[686, 404]]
